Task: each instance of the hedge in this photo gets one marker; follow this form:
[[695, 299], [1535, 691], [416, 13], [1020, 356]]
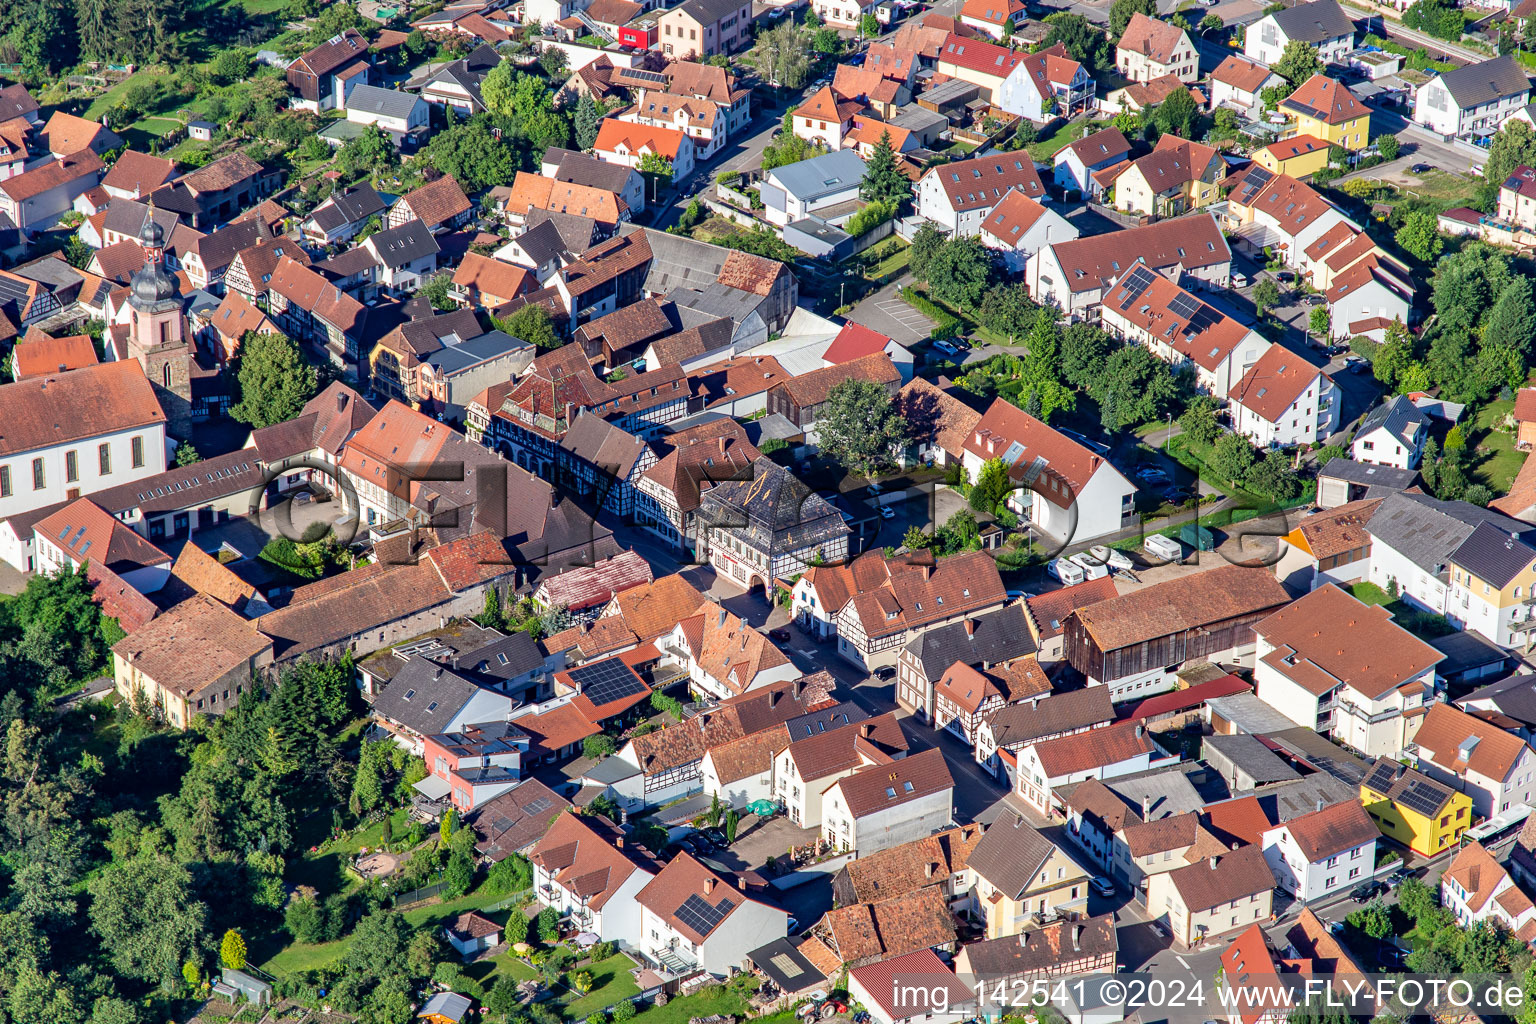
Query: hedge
[[945, 325]]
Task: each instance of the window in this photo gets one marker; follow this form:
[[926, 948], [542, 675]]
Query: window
[[138, 453], [5, 481], [37, 474], [104, 458], [71, 467]]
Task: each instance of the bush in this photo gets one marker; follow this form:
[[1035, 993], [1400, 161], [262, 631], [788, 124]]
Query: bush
[[597, 747], [623, 1011], [602, 951], [869, 218], [513, 874], [315, 532], [945, 325]]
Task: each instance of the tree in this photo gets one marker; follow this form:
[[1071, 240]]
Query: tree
[[1318, 322], [1232, 456], [1085, 41], [959, 273], [1121, 12], [1386, 145], [869, 26], [1084, 350], [827, 41], [597, 747], [77, 254], [1273, 475], [1177, 114], [860, 428], [783, 55], [991, 487], [553, 61], [732, 823], [1298, 62], [1515, 144], [230, 66], [883, 181], [473, 155], [382, 968], [1511, 323], [588, 121], [1144, 389], [504, 999], [144, 911], [926, 243], [1211, 23], [548, 924], [1042, 360], [447, 824], [582, 981], [232, 950], [186, 454], [273, 379], [533, 324], [1007, 309], [435, 290], [370, 154], [1266, 295], [1374, 920], [460, 872], [1199, 420], [624, 1010], [1420, 235]]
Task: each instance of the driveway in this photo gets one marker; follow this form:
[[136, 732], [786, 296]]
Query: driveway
[[885, 311]]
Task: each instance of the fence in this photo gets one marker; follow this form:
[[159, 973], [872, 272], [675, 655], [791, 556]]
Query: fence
[[405, 899]]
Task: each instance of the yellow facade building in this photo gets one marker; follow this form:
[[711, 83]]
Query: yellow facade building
[[1414, 809], [1326, 109]]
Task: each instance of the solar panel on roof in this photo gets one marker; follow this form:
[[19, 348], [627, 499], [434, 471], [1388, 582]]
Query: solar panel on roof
[[700, 916], [1184, 305], [606, 681]]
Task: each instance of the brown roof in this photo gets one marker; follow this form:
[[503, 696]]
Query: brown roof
[[1323, 98], [473, 925], [65, 134], [1174, 832], [334, 52], [681, 880], [1447, 733], [1049, 610], [223, 173], [581, 852], [747, 272], [703, 456], [731, 379], [981, 181], [1102, 806], [1477, 872], [1234, 875], [503, 280], [39, 353], [192, 646], [235, 316], [1310, 937], [1274, 383], [1241, 73], [1328, 639], [910, 866], [1238, 821], [814, 388], [1525, 404], [315, 295], [207, 575], [1144, 95], [512, 821], [532, 191], [1012, 218], [1042, 949], [48, 176], [729, 649], [881, 786], [1156, 40], [1522, 492], [847, 747], [139, 173], [1093, 261], [868, 932], [651, 610], [1173, 606], [750, 755], [764, 708], [553, 730], [1176, 161], [1333, 830], [1096, 748], [825, 105], [933, 413], [332, 610], [101, 399], [1337, 530], [118, 599], [626, 326]]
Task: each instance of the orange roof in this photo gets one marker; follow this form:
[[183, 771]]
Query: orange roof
[[67, 134], [629, 139], [825, 105], [1011, 219], [1173, 315], [1322, 98], [38, 354], [535, 192], [1274, 383], [1004, 425], [1156, 40], [1296, 145], [853, 341], [397, 436], [995, 12], [1458, 743], [492, 277]]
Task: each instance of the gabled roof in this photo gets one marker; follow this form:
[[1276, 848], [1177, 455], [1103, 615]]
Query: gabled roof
[[50, 175], [1011, 854], [1478, 874], [1096, 748], [1242, 73], [38, 353], [1156, 40], [881, 787], [826, 105], [935, 415], [1428, 531], [1459, 742], [1322, 98], [1010, 220], [1398, 416], [139, 173], [101, 399], [981, 181], [373, 99], [437, 201], [1315, 22], [1192, 242], [1495, 556], [1333, 830], [1176, 317], [869, 932], [1234, 875], [1049, 610], [978, 55], [1487, 82], [83, 530], [1019, 724], [333, 53], [1032, 449], [691, 898], [582, 855], [1173, 606], [930, 860], [615, 136], [1275, 383], [163, 649]]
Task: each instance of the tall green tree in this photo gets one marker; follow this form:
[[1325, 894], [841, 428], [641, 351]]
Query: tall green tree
[[274, 380], [860, 428], [144, 912], [533, 324], [960, 272], [1177, 114], [1085, 41], [473, 155], [883, 181], [1420, 235], [1513, 145], [1298, 62], [1121, 12], [926, 243], [1084, 350], [588, 121]]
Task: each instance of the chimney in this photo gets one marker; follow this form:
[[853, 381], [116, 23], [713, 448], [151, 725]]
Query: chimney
[[1212, 862], [618, 841], [1140, 730], [709, 885], [341, 401], [970, 627], [796, 688], [1077, 938], [721, 621], [928, 870], [1146, 808], [721, 442], [865, 729], [1319, 803], [741, 882], [1234, 846]]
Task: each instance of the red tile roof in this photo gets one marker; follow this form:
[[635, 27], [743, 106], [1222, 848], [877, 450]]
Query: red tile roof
[[853, 341], [1274, 383], [1005, 425], [1096, 748], [1322, 98], [1156, 40], [39, 353]]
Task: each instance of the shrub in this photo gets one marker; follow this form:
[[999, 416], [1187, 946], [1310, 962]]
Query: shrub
[[869, 218], [945, 324], [624, 1011]]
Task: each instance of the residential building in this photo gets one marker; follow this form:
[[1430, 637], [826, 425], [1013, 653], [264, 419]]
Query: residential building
[[1062, 949], [457, 83], [825, 118], [940, 860], [583, 868], [1150, 48], [1413, 809], [948, 998], [134, 174], [747, 530], [958, 196], [1321, 24], [966, 698], [1468, 753], [868, 933], [425, 698], [402, 114], [993, 639], [1142, 850], [1327, 110], [876, 604], [1477, 889], [1077, 162], [1299, 156], [1022, 878], [316, 313], [1215, 896], [1177, 177], [1370, 297], [799, 190], [1238, 83], [1392, 434], [698, 274], [342, 215], [34, 200], [885, 805], [1346, 670], [1074, 275], [1492, 572], [805, 764], [855, 341], [1517, 204], [723, 656], [629, 144], [438, 205], [471, 766], [992, 18], [1284, 400], [939, 420], [83, 531], [395, 363], [569, 167], [703, 28], [1047, 612], [1280, 213], [670, 492], [1133, 642], [1018, 227], [38, 354], [325, 75], [690, 915], [1176, 326], [1322, 854], [1034, 718], [1473, 100], [489, 283], [801, 399], [1329, 547], [1101, 753]]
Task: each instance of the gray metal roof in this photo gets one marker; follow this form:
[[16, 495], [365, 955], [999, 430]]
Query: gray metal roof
[[371, 99], [1486, 82], [422, 685], [446, 1004], [1329, 758], [719, 301], [1427, 531], [1344, 468], [399, 246], [1465, 650], [999, 636], [1249, 713], [1010, 854], [1250, 756], [1315, 22], [1291, 800], [1162, 791], [491, 345], [1514, 696], [822, 175], [1398, 417], [611, 770]]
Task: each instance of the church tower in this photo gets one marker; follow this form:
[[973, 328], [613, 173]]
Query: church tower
[[158, 333]]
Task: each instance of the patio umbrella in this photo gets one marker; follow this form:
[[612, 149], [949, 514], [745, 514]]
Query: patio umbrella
[[763, 808], [585, 939]]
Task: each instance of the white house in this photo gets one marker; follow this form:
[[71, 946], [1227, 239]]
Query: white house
[[798, 190], [945, 999], [1045, 84], [399, 113], [582, 869], [1474, 100], [1072, 492], [807, 764], [1214, 896], [1476, 887], [690, 915], [885, 805], [1238, 83], [1491, 765], [1392, 434], [1150, 48], [958, 196], [1279, 212], [1104, 753], [1344, 669], [724, 656], [1369, 296], [1076, 162], [1321, 24], [1322, 853], [1284, 399], [627, 143], [1176, 326], [114, 434], [1018, 227], [83, 531]]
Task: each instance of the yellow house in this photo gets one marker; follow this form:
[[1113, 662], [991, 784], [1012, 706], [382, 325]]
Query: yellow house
[[1414, 809], [1327, 110], [1021, 876], [1493, 574], [1300, 156], [1175, 178]]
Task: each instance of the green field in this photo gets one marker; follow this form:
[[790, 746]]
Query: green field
[[1494, 459]]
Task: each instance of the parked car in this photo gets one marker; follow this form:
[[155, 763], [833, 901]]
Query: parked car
[[1239, 280], [1420, 169], [1151, 475], [1398, 877], [1102, 885], [780, 634], [886, 512], [716, 836], [1368, 891], [945, 347], [1177, 495], [1095, 569], [885, 672], [1066, 571]]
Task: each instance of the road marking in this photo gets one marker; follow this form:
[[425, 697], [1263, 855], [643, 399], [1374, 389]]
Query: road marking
[[1182, 961]]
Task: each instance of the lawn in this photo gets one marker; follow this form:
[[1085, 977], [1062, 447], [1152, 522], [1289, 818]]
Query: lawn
[[724, 999], [1370, 593], [101, 104], [1046, 148], [1495, 460], [611, 981], [1424, 625]]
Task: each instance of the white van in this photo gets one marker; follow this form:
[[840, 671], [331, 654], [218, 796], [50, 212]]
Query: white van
[[1066, 570], [1163, 547]]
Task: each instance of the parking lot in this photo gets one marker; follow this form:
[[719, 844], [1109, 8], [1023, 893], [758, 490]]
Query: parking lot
[[884, 311]]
